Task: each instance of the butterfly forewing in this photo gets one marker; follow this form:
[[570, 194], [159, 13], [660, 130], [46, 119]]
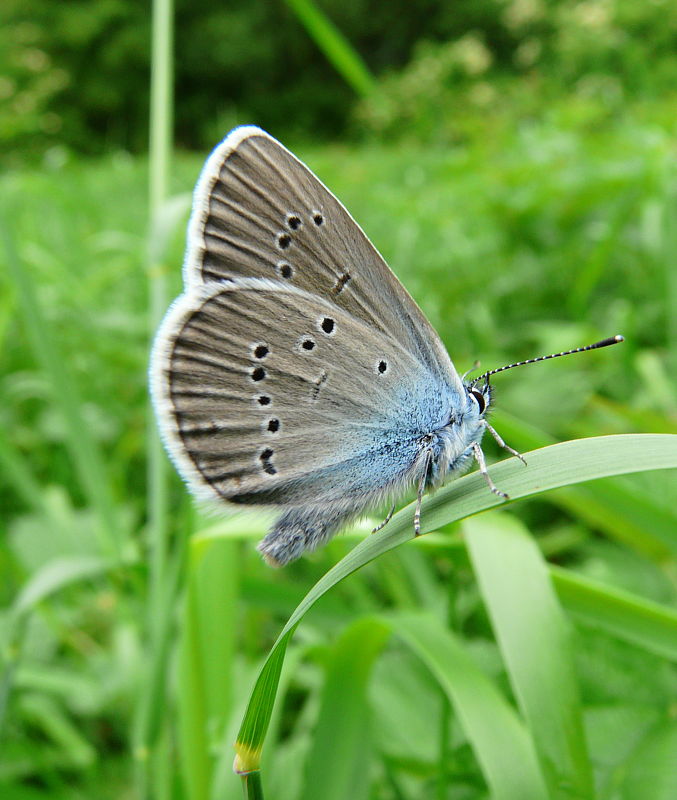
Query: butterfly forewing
[[277, 396], [260, 213]]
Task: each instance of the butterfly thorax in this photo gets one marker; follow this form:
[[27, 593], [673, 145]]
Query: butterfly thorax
[[451, 444]]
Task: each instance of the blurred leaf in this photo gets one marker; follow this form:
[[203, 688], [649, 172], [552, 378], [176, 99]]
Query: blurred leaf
[[631, 618], [334, 45], [614, 731], [651, 772], [74, 749], [59, 530], [336, 765], [206, 654], [532, 633], [406, 709], [57, 575], [503, 746]]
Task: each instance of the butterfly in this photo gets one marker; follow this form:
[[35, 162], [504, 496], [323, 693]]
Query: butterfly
[[295, 372]]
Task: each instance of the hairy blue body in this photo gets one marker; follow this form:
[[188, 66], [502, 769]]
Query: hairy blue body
[[432, 440]]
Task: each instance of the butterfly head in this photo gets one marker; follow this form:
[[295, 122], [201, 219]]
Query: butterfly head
[[479, 398]]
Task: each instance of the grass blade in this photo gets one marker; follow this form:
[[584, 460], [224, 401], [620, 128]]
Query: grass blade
[[336, 764], [633, 619], [206, 656], [548, 468], [82, 447], [334, 45], [57, 575], [500, 740], [533, 637], [18, 474]]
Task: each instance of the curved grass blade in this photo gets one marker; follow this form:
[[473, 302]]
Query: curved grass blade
[[533, 637], [502, 744], [625, 615], [548, 468]]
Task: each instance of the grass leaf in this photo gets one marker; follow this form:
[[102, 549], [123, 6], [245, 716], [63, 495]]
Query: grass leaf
[[336, 763], [532, 634], [631, 618], [336, 48], [548, 468], [502, 744], [206, 654]]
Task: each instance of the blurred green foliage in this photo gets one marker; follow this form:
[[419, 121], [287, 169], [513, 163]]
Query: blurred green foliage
[[74, 74]]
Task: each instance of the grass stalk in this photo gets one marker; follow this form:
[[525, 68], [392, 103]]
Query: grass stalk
[[161, 588], [252, 786], [159, 166], [335, 47]]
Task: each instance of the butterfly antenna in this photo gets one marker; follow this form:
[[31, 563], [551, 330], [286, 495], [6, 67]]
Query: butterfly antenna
[[604, 343]]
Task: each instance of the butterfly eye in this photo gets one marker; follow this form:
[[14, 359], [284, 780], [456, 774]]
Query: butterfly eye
[[479, 397]]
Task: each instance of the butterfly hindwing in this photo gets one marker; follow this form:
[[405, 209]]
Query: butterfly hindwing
[[268, 394]]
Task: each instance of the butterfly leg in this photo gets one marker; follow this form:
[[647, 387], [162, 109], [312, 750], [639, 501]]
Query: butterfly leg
[[419, 492], [382, 525], [482, 464], [501, 443]]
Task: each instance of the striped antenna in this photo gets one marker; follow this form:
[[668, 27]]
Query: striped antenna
[[604, 343]]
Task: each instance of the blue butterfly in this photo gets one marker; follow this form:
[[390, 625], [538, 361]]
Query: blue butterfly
[[295, 371]]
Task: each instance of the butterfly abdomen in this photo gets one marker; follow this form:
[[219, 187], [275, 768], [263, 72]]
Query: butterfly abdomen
[[384, 472], [301, 529]]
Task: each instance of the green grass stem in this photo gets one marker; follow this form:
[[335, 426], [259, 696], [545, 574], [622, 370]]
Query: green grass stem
[[335, 47], [162, 590]]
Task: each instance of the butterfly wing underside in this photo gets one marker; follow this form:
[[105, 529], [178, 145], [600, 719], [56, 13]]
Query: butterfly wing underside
[[277, 397]]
